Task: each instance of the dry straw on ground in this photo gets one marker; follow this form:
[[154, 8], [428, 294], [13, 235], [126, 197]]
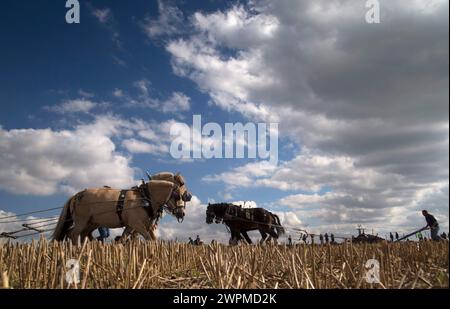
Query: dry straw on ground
[[138, 264]]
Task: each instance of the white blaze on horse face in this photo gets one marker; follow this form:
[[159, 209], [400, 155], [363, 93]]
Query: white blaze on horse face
[[176, 206], [180, 202]]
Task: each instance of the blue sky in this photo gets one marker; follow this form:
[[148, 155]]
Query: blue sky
[[353, 126]]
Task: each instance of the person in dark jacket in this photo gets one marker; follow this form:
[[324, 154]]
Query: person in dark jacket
[[391, 237], [432, 224]]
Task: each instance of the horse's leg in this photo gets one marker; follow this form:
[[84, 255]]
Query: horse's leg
[[76, 234], [90, 237], [244, 233], [152, 231], [234, 237], [133, 234], [88, 232], [128, 232], [263, 235], [143, 229], [273, 235], [233, 240]]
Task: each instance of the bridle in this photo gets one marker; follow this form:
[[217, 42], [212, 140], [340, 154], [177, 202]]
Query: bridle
[[210, 213], [177, 196]]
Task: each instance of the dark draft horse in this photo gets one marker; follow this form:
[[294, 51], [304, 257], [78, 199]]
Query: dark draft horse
[[241, 220]]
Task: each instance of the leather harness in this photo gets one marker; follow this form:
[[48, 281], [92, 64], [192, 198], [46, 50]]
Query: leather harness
[[145, 196], [119, 205]]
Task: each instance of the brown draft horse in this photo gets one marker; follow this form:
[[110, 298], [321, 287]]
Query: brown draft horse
[[241, 220], [89, 209]]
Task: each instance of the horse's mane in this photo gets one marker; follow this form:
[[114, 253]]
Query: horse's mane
[[221, 205], [220, 208]]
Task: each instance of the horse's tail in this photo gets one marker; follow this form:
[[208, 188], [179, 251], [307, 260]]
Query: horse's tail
[[278, 226], [65, 221]]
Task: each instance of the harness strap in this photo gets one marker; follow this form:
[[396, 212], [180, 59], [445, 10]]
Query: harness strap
[[120, 203], [145, 194]]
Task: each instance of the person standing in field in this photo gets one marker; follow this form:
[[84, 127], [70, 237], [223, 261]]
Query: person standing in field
[[104, 233], [391, 237], [432, 224], [305, 238]]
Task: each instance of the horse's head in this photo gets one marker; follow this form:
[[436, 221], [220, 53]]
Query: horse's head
[[186, 196], [168, 195], [179, 197], [181, 189], [215, 212]]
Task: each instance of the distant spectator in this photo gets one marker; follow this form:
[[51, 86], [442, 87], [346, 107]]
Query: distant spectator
[[191, 241], [304, 238], [391, 236], [396, 236], [326, 238], [290, 240], [321, 239], [197, 240], [332, 238]]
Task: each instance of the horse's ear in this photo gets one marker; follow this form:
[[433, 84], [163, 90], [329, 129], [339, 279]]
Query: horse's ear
[[179, 178]]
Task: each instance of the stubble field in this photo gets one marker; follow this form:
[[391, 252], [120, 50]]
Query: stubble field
[[138, 264]]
